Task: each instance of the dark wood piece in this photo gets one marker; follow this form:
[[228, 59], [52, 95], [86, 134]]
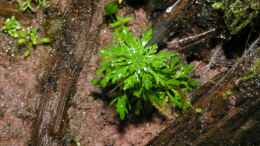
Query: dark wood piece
[[74, 46], [230, 106]]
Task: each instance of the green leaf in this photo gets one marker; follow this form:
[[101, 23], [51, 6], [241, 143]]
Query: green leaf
[[32, 5], [218, 5], [27, 52], [146, 36], [157, 98], [94, 82], [147, 81], [25, 5], [198, 110], [120, 21], [11, 26], [176, 98], [33, 35], [44, 40], [111, 8], [118, 74], [138, 93], [26, 37], [21, 41], [130, 82], [121, 106]]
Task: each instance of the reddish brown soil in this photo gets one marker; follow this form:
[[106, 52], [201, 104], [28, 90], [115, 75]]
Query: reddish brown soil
[[18, 82]]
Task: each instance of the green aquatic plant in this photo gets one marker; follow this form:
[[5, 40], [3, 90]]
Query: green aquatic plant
[[27, 37], [138, 74], [32, 5]]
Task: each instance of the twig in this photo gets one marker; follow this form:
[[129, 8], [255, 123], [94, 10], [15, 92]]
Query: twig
[[216, 55], [190, 39]]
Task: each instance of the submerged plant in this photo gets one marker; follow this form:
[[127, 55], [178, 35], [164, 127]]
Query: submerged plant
[[26, 37], [138, 74]]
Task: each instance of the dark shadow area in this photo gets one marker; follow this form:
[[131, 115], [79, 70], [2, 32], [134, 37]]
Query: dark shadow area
[[235, 47], [136, 3], [145, 114]]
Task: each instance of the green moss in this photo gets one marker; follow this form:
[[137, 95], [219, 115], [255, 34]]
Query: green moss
[[255, 70], [238, 13], [257, 66], [27, 37]]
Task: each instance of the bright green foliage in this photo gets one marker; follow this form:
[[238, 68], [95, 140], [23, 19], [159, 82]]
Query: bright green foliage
[[140, 74], [218, 5], [27, 37], [238, 13], [12, 26], [111, 8], [120, 21], [32, 5]]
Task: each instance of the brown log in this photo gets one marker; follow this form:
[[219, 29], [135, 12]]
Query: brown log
[[231, 110], [74, 46]]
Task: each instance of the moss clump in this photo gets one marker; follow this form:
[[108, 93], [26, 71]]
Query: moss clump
[[27, 37], [238, 13], [255, 69], [32, 5]]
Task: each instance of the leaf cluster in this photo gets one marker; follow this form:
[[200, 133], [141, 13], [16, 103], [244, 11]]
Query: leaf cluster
[[138, 74], [111, 8], [26, 37], [120, 21], [32, 5]]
